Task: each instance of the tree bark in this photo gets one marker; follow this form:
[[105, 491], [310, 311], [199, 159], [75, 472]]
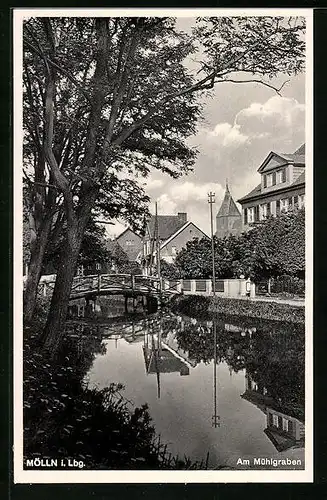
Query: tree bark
[[35, 269], [55, 325]]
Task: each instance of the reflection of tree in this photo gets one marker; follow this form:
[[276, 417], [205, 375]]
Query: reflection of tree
[[271, 353], [63, 418]]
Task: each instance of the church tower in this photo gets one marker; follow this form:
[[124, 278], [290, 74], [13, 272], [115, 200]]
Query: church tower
[[229, 219]]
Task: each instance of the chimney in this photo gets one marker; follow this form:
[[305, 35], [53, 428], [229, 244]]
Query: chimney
[[182, 216]]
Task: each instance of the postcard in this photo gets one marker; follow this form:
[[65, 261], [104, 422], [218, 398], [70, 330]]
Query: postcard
[[163, 245]]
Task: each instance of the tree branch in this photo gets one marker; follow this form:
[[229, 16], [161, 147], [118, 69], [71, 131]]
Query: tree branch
[[254, 80]]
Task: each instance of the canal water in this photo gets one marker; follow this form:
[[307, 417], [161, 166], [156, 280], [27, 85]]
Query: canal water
[[222, 391], [124, 391]]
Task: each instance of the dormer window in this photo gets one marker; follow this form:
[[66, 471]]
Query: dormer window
[[274, 178], [281, 176]]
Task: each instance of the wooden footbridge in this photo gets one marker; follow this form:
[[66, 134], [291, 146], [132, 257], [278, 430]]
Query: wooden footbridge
[[120, 284]]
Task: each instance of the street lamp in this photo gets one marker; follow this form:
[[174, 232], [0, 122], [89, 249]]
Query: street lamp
[[211, 201]]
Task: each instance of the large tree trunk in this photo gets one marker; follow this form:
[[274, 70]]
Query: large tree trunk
[[35, 269], [55, 325]]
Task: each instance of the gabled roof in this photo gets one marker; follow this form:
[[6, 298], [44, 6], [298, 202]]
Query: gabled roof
[[228, 206], [114, 248], [298, 158], [166, 362], [179, 231], [167, 225], [125, 231]]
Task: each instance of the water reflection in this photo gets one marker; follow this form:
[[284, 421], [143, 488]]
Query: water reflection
[[254, 371]]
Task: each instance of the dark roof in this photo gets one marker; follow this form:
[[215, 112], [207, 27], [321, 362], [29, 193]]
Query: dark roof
[[228, 206], [300, 180], [300, 151], [255, 192], [296, 158], [167, 225]]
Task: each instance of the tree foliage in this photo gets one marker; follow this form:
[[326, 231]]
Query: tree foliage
[[272, 248], [107, 100]]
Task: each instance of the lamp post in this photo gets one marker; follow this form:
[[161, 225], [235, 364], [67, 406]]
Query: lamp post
[[211, 201]]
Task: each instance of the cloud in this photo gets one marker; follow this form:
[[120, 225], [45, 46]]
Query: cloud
[[232, 148], [276, 118], [229, 135], [192, 198]]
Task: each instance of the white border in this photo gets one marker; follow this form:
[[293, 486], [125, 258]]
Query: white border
[[262, 476]]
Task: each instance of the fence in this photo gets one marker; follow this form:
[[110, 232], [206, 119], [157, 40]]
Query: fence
[[283, 285]]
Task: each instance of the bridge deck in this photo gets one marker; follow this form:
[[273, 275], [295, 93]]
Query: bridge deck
[[119, 284]]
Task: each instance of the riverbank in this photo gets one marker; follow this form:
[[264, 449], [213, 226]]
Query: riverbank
[[269, 310]]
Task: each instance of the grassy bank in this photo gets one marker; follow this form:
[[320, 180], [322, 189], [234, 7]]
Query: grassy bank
[[194, 305]]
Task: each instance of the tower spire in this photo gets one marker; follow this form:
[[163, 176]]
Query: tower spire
[[227, 188]]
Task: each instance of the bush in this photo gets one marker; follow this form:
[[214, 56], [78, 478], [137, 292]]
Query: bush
[[194, 305]]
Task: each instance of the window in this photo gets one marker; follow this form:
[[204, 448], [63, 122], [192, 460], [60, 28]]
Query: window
[[284, 175], [250, 215], [97, 266], [296, 201], [281, 176], [277, 207], [245, 216], [256, 213], [301, 201], [275, 420], [285, 424], [268, 209], [263, 211], [274, 178], [269, 180], [264, 181], [284, 205]]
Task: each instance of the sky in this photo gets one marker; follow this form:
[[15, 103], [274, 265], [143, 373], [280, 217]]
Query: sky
[[241, 124]]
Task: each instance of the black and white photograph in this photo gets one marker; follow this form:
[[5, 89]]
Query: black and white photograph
[[163, 204]]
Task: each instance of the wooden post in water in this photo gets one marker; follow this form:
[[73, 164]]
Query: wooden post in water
[[133, 288]]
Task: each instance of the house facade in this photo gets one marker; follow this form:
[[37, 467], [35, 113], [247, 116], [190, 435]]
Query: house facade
[[228, 219], [172, 233], [281, 188], [131, 243]]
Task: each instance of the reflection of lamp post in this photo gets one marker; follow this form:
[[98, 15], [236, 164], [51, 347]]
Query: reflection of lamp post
[[215, 417], [211, 200]]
